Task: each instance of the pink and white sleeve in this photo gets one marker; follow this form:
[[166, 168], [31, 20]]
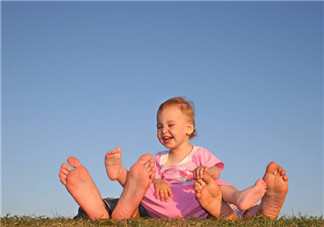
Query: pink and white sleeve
[[206, 158]]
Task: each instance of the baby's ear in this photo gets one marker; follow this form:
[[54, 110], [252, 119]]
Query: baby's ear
[[190, 128]]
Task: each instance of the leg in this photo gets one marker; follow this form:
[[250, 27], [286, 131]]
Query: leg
[[138, 180], [245, 199], [80, 185], [114, 168], [277, 187], [209, 197]]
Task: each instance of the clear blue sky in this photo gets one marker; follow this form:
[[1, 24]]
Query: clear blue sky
[[80, 78]]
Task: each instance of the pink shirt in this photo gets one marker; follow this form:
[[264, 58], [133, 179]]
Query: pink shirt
[[180, 179]]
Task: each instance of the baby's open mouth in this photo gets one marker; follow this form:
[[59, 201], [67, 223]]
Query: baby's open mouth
[[167, 139]]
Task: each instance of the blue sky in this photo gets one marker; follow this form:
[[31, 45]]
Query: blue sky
[[80, 78]]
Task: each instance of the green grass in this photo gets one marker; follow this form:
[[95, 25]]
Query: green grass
[[66, 222]]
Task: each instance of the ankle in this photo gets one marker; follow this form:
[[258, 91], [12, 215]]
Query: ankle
[[122, 176]]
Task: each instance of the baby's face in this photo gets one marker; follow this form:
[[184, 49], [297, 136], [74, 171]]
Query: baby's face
[[173, 128]]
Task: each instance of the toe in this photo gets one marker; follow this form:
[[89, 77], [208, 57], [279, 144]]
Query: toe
[[62, 178], [73, 161], [282, 172], [197, 187], [64, 171], [145, 158], [207, 178], [272, 166], [200, 183], [65, 166]]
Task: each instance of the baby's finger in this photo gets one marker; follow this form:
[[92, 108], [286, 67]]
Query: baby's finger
[[196, 174], [157, 193], [201, 172], [162, 195], [170, 193], [166, 197]]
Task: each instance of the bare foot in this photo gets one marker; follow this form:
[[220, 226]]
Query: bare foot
[[209, 197], [248, 197], [114, 168], [138, 180], [277, 187], [80, 185]]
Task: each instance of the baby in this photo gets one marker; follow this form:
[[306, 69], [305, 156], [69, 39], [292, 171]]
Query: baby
[[177, 168]]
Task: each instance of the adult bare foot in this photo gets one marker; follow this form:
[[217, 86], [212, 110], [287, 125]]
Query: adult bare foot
[[277, 187], [138, 180], [80, 185], [209, 197], [251, 195], [114, 168]]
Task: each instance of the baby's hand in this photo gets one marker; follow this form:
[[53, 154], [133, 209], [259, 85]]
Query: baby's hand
[[199, 172], [162, 189]]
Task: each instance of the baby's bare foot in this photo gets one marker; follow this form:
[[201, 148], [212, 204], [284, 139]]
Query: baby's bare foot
[[277, 187], [209, 197], [138, 180], [113, 163], [80, 185], [251, 195]]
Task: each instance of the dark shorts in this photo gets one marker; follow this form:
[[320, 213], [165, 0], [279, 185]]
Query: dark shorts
[[110, 204]]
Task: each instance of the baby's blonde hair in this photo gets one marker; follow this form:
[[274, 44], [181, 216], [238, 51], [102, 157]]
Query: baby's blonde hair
[[186, 108]]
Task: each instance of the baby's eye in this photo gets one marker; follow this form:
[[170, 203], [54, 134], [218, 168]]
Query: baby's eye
[[171, 125], [159, 127]]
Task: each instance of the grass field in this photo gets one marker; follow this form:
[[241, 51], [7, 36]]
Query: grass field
[[44, 221]]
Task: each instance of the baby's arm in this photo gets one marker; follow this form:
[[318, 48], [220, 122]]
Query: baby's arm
[[162, 189], [213, 171]]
